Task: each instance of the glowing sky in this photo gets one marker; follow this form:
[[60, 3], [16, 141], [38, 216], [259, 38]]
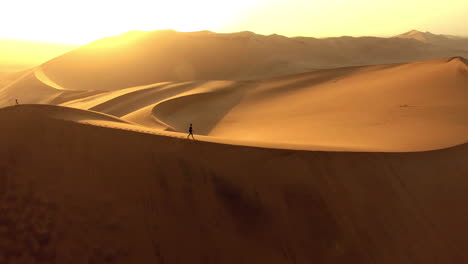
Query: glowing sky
[[83, 21]]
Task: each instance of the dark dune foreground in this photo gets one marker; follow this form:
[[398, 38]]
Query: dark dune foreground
[[77, 193]]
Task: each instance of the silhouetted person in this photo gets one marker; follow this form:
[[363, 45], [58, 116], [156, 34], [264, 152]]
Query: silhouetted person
[[17, 101], [190, 132]]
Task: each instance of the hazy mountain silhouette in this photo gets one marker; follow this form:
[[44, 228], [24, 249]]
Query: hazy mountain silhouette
[[448, 41]]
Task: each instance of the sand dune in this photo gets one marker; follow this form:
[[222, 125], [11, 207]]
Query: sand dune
[[41, 76], [92, 101], [141, 58], [130, 102], [297, 158], [391, 108], [71, 192], [205, 105], [376, 108], [145, 117], [369, 108], [27, 89]]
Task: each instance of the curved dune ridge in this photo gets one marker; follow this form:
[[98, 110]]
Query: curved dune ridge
[[71, 192], [368, 108]]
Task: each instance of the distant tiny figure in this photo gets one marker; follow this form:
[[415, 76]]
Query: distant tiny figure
[[190, 132], [17, 101]]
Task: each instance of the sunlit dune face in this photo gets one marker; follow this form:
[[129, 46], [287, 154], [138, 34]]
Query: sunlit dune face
[[80, 22]]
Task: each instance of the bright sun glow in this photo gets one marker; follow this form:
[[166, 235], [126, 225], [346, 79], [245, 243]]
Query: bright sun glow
[[84, 21], [79, 22]]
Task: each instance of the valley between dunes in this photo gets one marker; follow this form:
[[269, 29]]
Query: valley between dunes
[[362, 164]]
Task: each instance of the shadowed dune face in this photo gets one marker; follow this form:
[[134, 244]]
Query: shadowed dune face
[[130, 102], [139, 58], [206, 106], [75, 193]]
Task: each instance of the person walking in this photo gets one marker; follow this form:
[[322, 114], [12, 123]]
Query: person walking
[[190, 132], [16, 100]]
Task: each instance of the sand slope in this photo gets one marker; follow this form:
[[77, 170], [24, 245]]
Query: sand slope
[[78, 193]]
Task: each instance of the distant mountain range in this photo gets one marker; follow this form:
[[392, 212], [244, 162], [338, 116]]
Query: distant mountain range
[[447, 41]]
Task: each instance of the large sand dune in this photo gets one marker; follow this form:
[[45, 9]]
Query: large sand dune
[[369, 108], [140, 58], [71, 192], [387, 108]]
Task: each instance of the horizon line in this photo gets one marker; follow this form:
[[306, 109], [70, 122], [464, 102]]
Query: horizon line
[[66, 43]]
